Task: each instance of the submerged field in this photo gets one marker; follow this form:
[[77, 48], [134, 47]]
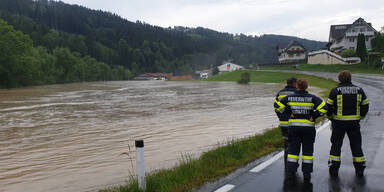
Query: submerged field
[[192, 173]]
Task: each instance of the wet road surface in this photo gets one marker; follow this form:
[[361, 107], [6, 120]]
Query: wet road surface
[[272, 177]]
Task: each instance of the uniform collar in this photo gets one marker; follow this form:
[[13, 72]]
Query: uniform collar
[[349, 83], [289, 86], [301, 91]]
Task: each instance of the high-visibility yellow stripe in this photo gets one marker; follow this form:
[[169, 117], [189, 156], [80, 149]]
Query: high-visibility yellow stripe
[[359, 159], [330, 101], [320, 107], [307, 157], [334, 158], [283, 122], [347, 117], [281, 96], [323, 111], [358, 104], [300, 121], [340, 105], [293, 156], [300, 104], [281, 106], [365, 102]]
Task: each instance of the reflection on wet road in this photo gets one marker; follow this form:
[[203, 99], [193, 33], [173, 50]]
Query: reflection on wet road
[[70, 137]]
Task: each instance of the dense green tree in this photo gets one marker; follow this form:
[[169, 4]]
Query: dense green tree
[[361, 50], [378, 43], [15, 56]]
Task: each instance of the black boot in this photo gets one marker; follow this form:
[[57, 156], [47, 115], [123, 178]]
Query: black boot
[[333, 168], [360, 172], [359, 169], [334, 173], [290, 175], [307, 177]]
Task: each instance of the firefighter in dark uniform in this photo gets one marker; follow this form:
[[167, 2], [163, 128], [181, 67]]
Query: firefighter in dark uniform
[[347, 104], [303, 109], [283, 118]]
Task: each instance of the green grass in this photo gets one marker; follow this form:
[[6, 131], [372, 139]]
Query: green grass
[[192, 173], [358, 68], [277, 77]]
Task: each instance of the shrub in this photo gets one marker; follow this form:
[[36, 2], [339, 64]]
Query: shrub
[[245, 78], [348, 53]]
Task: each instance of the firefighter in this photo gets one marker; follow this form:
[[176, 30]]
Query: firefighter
[[303, 109], [288, 90], [347, 104]]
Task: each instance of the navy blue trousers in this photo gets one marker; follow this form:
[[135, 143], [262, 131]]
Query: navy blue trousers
[[300, 137]]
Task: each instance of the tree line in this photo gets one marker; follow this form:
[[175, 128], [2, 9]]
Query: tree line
[[22, 64]]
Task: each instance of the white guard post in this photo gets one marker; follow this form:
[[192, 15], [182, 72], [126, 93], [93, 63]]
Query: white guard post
[[140, 164]]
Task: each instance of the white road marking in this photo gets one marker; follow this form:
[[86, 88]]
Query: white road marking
[[268, 162], [225, 188]]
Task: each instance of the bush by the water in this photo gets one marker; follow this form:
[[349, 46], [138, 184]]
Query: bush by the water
[[245, 78]]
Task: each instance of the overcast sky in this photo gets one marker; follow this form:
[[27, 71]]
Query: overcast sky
[[303, 18]]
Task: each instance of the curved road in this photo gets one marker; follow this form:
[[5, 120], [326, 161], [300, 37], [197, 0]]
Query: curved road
[[271, 178]]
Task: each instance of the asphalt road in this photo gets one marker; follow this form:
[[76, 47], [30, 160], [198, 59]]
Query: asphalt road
[[271, 178]]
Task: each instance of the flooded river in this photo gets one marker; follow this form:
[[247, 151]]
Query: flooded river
[[70, 137]]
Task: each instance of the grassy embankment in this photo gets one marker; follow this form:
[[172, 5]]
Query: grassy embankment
[[192, 173], [358, 68], [276, 77]]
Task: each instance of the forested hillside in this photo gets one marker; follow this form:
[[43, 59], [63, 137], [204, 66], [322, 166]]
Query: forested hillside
[[126, 46]]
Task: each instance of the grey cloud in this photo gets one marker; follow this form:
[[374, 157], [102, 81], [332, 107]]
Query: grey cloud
[[306, 18]]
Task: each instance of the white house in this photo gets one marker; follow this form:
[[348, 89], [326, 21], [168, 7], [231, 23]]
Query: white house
[[228, 67], [204, 74], [344, 36], [328, 58], [293, 53]]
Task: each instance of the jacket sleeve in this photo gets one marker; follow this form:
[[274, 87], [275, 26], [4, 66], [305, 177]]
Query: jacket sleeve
[[281, 106], [331, 103], [276, 106], [320, 107], [364, 105]]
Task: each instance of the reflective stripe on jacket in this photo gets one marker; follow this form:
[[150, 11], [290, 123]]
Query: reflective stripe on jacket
[[347, 102], [288, 90], [302, 106]]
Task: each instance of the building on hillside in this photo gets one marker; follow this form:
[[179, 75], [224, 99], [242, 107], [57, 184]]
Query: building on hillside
[[228, 67], [179, 77], [293, 53], [204, 74], [326, 57], [344, 36]]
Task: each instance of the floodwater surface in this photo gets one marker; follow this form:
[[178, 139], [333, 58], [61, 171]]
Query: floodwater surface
[[71, 137]]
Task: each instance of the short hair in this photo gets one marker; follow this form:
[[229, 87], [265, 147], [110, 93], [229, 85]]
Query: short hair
[[302, 84], [345, 76], [291, 81]]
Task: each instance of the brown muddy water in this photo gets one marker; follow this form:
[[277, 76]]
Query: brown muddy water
[[70, 137]]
